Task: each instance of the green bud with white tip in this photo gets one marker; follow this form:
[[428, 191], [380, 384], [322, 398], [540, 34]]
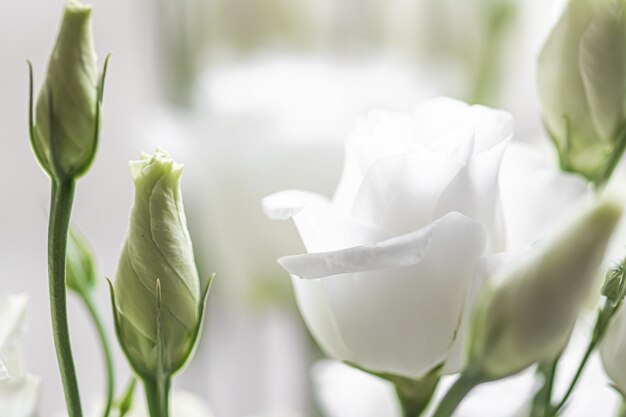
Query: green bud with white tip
[[81, 274], [581, 78], [158, 296], [64, 132], [530, 306]]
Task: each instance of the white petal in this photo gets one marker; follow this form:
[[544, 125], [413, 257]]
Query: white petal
[[459, 350], [474, 192], [613, 350], [12, 322], [401, 312], [283, 205], [534, 194], [19, 397], [400, 192], [319, 227], [439, 120]]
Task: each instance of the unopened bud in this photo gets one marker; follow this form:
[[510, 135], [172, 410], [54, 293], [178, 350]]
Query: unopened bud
[[529, 309], [65, 131], [582, 84], [157, 288]]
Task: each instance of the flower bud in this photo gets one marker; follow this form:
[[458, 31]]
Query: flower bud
[[157, 294], [65, 131], [81, 273], [614, 288], [581, 78], [528, 310]]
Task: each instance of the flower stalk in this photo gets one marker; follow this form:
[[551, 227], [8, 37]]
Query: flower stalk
[[455, 395], [96, 318], [60, 211]]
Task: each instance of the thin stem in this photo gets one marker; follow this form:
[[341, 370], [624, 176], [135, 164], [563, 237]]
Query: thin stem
[[60, 210], [415, 395], [96, 317], [602, 322], [455, 395], [542, 403], [157, 396]]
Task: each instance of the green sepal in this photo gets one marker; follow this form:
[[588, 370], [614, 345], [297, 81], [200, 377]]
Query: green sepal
[[141, 373], [414, 395], [147, 374], [53, 171], [31, 123], [198, 329], [99, 100]]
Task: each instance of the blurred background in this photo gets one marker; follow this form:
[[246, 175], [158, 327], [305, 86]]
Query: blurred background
[[253, 97]]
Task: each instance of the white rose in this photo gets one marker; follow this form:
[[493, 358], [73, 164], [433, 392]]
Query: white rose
[[19, 392], [389, 278], [417, 207]]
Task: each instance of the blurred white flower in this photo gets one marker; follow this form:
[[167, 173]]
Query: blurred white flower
[[581, 76], [271, 115], [19, 392], [613, 350], [182, 404]]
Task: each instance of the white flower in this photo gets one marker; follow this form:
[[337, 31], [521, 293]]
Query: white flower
[[19, 392], [613, 350], [389, 279], [417, 206]]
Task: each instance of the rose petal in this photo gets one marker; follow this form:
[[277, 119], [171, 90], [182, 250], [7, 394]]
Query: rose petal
[[437, 118], [529, 181], [320, 228], [400, 192], [376, 318], [474, 192]]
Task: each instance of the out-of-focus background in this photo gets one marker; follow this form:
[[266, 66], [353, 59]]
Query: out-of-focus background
[[253, 97]]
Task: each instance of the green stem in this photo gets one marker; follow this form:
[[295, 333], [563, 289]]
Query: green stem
[[456, 394], [542, 403], [60, 210], [96, 317], [157, 396], [415, 395], [602, 322], [487, 74]]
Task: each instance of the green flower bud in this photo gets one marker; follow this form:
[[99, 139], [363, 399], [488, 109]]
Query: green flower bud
[[81, 274], [614, 288], [529, 309], [581, 78], [157, 294], [64, 133]]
